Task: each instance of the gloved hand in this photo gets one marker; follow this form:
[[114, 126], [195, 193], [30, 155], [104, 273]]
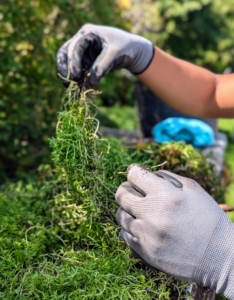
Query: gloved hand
[[175, 226], [102, 49]]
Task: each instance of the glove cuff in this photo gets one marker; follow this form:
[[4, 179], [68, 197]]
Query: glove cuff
[[216, 269], [145, 58]]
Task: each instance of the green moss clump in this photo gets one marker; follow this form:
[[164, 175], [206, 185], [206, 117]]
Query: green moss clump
[[59, 238], [184, 160], [36, 263]]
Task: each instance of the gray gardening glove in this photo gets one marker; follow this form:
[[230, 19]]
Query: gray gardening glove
[[102, 49], [175, 226]]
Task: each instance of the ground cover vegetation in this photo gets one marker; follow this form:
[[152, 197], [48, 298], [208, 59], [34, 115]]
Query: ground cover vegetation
[[59, 238]]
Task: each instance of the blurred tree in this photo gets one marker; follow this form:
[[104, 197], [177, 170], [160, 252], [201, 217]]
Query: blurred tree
[[200, 31], [31, 33]]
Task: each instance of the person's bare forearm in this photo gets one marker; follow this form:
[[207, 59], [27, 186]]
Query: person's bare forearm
[[189, 88]]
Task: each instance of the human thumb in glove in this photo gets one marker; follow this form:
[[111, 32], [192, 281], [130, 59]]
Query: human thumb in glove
[[101, 49], [175, 226]]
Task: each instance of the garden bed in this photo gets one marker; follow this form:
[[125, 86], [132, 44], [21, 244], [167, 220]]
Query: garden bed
[[59, 237]]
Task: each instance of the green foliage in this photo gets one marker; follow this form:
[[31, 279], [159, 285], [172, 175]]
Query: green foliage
[[36, 263], [200, 31], [32, 31], [117, 116], [92, 168], [59, 239], [89, 167]]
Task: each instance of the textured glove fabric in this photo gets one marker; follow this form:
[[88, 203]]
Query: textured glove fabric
[[102, 49], [216, 269], [171, 226]]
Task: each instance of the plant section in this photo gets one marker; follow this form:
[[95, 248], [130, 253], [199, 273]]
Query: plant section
[[59, 238]]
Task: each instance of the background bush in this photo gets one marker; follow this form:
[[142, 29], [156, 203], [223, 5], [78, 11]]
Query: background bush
[[32, 31]]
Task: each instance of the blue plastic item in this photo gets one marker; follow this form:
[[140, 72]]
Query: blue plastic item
[[192, 131]]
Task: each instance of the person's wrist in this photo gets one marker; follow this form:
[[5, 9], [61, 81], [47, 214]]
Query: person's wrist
[[216, 269]]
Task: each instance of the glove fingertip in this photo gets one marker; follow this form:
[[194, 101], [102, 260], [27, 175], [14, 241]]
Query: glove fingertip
[[133, 168]]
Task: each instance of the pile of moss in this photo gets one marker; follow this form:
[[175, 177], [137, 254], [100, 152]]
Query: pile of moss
[[59, 238]]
